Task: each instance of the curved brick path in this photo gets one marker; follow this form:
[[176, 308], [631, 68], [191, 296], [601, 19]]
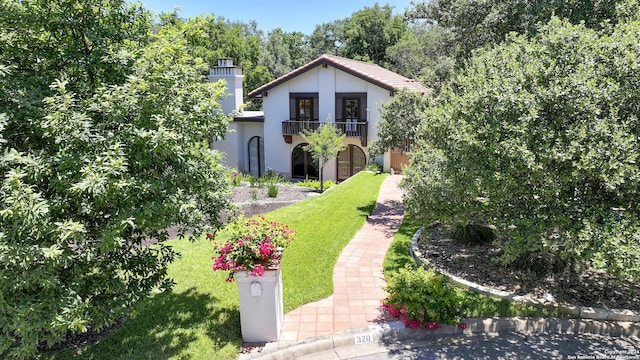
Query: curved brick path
[[357, 277]]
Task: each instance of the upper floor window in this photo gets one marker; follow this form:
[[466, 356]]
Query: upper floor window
[[351, 107], [303, 106], [304, 109]]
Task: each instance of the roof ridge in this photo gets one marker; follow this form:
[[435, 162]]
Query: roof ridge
[[367, 71]]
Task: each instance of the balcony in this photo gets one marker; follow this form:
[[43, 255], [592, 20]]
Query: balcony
[[292, 128]]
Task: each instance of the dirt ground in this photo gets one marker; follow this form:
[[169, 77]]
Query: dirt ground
[[255, 200]]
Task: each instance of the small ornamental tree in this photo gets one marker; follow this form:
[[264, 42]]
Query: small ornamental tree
[[324, 144]]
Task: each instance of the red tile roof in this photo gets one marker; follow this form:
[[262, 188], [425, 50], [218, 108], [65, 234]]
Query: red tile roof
[[370, 72]]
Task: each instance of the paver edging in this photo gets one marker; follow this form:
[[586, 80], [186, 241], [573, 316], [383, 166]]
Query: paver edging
[[582, 312]]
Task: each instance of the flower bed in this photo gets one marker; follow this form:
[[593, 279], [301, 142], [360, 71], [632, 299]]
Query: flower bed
[[422, 299]]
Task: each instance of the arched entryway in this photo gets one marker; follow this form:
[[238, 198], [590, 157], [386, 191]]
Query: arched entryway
[[350, 161], [302, 164], [256, 156]]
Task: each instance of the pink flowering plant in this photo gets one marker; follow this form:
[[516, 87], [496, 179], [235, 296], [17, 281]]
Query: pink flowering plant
[[422, 299], [254, 245]]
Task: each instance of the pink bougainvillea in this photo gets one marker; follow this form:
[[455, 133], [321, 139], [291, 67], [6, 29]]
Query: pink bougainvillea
[[254, 245]]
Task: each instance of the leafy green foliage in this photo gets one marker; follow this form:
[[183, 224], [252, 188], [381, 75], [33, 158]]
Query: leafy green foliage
[[422, 298], [272, 189], [374, 167], [477, 23], [370, 31], [199, 318], [110, 154], [283, 52], [423, 53], [213, 37], [315, 184], [327, 38], [540, 137], [324, 144], [400, 119], [365, 35], [472, 304], [473, 234]]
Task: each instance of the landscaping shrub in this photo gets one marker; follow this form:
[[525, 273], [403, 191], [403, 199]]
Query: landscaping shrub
[[236, 178], [272, 189], [253, 181], [540, 136], [472, 234], [271, 176], [374, 167], [315, 184], [422, 298]]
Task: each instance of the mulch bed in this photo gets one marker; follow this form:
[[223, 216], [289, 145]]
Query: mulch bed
[[476, 263]]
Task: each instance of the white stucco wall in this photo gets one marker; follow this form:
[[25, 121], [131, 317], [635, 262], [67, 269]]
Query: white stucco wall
[[229, 146], [277, 155], [326, 82], [236, 144]]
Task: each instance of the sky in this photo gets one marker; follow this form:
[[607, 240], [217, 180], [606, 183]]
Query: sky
[[289, 15]]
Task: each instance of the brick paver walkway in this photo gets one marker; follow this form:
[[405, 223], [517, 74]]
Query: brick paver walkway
[[357, 277]]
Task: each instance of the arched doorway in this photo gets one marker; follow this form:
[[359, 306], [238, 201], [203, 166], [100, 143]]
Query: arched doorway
[[256, 156], [302, 164], [350, 161]]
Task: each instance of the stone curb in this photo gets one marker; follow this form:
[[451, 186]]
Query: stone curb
[[398, 332], [577, 311]]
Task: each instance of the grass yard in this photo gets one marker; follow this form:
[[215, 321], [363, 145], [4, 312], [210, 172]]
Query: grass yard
[[199, 318], [324, 226], [474, 305]]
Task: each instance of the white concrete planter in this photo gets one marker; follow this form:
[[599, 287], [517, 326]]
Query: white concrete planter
[[261, 311]]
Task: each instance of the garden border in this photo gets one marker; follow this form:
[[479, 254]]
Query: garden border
[[582, 312]]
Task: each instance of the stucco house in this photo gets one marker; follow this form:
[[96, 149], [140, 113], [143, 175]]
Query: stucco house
[[347, 91]]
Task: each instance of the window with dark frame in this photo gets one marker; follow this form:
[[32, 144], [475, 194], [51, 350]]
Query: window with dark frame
[[304, 109], [256, 156], [351, 109], [351, 113]]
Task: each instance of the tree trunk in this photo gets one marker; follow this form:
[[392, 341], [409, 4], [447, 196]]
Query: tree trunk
[[321, 182]]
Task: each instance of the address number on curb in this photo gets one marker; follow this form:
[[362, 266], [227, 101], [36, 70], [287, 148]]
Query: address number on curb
[[364, 338]]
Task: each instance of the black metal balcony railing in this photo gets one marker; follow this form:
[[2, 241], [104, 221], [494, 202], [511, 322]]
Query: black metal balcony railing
[[351, 129]]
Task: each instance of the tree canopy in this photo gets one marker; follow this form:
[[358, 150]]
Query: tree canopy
[[539, 138], [401, 117], [103, 132], [477, 23]]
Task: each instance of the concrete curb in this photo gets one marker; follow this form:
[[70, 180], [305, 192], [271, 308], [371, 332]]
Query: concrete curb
[[399, 333], [577, 311]]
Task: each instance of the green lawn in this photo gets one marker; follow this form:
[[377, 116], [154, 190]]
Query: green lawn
[[324, 225], [474, 304], [199, 318]]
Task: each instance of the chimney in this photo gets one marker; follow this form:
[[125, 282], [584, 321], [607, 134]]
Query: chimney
[[232, 75]]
